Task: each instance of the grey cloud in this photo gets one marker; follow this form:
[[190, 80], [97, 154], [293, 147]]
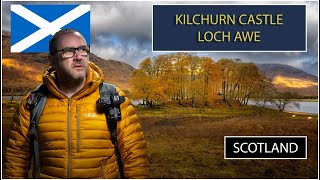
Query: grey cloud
[[312, 27], [122, 30], [131, 51], [5, 16], [122, 19], [301, 60]]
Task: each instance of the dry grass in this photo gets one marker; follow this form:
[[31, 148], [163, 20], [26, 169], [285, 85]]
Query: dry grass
[[188, 142]]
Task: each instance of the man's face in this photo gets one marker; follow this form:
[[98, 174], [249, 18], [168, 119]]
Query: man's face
[[71, 68]]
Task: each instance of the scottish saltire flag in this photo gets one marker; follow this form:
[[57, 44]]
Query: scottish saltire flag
[[32, 26]]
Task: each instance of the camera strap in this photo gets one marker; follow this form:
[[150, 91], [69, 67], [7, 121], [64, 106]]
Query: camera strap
[[110, 101], [35, 104]]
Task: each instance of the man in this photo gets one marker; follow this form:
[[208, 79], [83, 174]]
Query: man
[[74, 139]]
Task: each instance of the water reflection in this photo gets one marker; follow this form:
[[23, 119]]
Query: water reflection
[[305, 107]]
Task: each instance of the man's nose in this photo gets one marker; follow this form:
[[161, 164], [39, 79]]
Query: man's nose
[[77, 55]]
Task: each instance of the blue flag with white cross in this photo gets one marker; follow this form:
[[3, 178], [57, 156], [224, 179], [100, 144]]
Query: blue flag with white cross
[[33, 25]]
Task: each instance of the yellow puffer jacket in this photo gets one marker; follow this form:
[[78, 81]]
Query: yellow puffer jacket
[[74, 139]]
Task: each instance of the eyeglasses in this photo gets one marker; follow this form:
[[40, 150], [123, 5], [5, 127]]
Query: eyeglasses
[[69, 52]]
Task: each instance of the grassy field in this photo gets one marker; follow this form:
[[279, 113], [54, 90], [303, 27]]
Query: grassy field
[[188, 142]]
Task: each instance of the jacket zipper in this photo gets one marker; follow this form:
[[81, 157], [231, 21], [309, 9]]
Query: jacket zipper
[[69, 140], [78, 128]]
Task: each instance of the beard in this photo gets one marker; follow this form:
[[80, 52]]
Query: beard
[[72, 76]]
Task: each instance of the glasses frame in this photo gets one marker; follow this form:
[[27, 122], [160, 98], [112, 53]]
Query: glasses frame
[[74, 50]]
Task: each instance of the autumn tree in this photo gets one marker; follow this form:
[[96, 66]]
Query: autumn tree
[[208, 81], [228, 69], [248, 80], [282, 99], [180, 76], [263, 95], [152, 80], [180, 67], [164, 77], [141, 82]]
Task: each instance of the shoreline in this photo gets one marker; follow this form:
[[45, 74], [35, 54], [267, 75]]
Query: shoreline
[[307, 100], [301, 113]]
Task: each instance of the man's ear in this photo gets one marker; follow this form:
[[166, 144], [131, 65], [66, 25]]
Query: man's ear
[[53, 61]]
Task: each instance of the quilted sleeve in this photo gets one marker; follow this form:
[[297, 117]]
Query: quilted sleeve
[[131, 142], [17, 159]]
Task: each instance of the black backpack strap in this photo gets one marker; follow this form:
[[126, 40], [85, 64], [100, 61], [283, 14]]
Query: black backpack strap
[[35, 103], [110, 101]]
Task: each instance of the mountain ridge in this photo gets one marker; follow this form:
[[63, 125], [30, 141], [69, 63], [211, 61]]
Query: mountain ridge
[[24, 72], [17, 76], [271, 70], [288, 78]]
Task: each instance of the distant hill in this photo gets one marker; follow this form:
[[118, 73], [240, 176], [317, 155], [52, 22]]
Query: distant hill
[[288, 78], [24, 71]]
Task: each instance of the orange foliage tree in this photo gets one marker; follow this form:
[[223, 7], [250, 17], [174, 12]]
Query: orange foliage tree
[[179, 76]]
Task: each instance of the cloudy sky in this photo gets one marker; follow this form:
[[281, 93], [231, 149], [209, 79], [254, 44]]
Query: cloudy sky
[[123, 31]]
